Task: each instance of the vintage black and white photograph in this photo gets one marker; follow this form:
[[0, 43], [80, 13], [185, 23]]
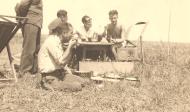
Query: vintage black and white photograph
[[94, 56]]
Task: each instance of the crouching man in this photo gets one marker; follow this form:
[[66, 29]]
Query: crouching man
[[54, 55]]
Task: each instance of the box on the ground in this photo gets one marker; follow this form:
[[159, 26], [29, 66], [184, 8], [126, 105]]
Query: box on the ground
[[104, 67]]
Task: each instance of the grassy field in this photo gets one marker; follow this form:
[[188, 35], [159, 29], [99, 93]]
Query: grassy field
[[164, 87]]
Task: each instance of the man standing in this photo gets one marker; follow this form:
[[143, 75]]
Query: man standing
[[31, 31]]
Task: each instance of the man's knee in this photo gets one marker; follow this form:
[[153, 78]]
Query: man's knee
[[85, 82], [76, 86], [71, 86]]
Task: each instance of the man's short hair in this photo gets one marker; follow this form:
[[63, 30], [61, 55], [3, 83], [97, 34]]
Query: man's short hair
[[61, 12], [67, 30], [113, 12], [85, 19]]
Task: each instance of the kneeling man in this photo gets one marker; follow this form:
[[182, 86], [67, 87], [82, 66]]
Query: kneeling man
[[54, 55]]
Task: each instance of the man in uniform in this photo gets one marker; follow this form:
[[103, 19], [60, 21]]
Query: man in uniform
[[31, 30]]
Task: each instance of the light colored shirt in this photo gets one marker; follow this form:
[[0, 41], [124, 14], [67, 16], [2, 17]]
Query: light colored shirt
[[50, 56], [86, 34]]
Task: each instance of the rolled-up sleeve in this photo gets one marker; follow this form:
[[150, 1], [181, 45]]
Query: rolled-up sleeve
[[22, 7], [17, 8]]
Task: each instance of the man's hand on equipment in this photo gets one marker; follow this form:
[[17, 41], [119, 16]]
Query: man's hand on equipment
[[72, 42]]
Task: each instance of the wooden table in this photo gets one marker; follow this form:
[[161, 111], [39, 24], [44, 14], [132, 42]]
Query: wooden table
[[102, 47]]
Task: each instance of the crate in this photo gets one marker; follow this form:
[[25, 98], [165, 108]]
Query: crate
[[105, 67], [84, 74]]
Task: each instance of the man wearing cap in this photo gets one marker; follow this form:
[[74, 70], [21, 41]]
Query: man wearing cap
[[114, 32], [31, 31], [54, 57], [61, 16]]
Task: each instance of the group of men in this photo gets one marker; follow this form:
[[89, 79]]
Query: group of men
[[52, 59]]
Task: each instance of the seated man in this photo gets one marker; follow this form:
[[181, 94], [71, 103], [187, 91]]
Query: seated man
[[86, 33], [54, 57], [114, 32]]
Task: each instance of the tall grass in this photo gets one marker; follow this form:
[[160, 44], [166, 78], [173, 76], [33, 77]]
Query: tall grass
[[163, 87]]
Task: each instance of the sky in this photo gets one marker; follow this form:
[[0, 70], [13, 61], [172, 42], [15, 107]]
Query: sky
[[167, 19]]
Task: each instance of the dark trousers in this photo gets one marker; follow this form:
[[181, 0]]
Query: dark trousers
[[112, 53], [62, 81], [31, 46]]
